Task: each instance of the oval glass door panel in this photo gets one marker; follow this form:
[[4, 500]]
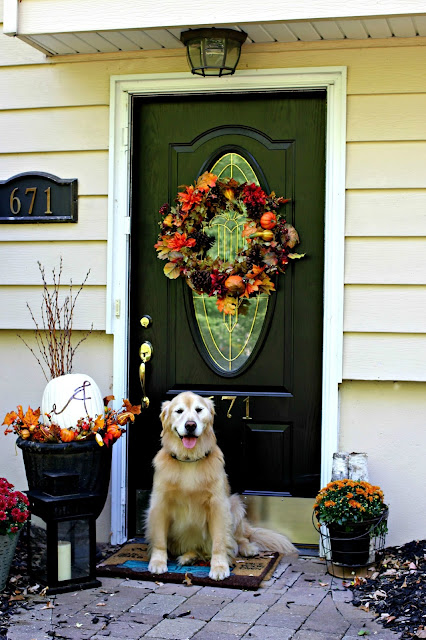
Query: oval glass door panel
[[228, 341]]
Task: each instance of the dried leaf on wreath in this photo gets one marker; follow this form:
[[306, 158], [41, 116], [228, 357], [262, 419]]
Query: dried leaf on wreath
[[267, 285], [293, 256], [270, 259], [171, 270], [227, 305], [164, 253]]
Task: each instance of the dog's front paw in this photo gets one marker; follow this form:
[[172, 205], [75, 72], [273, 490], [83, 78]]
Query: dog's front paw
[[219, 569], [157, 566], [158, 562]]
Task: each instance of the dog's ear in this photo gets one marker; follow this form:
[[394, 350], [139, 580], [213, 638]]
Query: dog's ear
[[163, 415], [210, 405]]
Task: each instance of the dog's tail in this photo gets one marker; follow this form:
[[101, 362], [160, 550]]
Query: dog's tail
[[268, 540], [264, 539]]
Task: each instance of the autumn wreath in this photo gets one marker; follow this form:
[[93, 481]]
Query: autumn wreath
[[184, 240]]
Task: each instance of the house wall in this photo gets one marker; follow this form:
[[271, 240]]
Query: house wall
[[54, 118]]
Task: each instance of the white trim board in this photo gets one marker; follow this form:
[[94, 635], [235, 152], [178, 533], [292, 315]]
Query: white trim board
[[333, 79]]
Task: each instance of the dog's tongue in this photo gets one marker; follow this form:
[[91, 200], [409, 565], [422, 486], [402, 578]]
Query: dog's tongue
[[189, 443]]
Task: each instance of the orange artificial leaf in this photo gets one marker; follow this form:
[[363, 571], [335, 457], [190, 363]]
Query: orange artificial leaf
[[10, 417], [251, 287], [171, 270], [136, 409], [108, 399], [255, 270], [227, 305], [267, 285], [31, 417], [249, 229], [205, 181], [99, 423]]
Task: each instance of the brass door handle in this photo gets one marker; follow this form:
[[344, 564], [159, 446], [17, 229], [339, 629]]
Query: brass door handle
[[145, 353]]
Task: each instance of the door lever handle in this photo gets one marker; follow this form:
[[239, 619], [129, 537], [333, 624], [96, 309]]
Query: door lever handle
[[145, 354]]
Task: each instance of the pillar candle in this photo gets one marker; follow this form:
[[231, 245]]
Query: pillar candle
[[64, 560]]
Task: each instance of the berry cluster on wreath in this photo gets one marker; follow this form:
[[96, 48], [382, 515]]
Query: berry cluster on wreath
[[184, 240]]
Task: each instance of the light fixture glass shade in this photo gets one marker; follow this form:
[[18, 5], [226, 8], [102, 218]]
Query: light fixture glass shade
[[213, 52]]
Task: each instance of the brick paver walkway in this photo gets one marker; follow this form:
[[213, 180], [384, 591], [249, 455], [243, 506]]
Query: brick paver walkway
[[300, 602]]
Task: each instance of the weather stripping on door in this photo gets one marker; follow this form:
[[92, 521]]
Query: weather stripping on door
[[145, 353]]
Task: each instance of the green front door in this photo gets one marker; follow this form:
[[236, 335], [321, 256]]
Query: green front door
[[270, 368]]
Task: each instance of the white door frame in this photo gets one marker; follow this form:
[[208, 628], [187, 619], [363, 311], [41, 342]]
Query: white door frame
[[333, 79]]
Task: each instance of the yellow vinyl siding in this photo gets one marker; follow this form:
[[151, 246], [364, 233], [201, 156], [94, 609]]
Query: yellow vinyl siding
[[386, 212], [78, 256], [55, 117], [89, 309], [65, 129], [385, 308], [384, 356], [385, 261], [89, 167], [387, 117], [92, 225]]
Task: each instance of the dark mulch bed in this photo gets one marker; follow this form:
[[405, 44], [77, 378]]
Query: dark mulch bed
[[397, 591]]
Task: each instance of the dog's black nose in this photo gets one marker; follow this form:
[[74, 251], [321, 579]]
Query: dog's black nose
[[190, 426]]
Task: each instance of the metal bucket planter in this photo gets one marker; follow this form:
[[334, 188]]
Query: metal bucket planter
[[87, 459], [353, 546], [7, 551]]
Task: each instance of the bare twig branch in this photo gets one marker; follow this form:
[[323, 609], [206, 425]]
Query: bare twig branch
[[53, 335]]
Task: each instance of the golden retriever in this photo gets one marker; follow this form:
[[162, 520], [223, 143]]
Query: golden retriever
[[191, 513]]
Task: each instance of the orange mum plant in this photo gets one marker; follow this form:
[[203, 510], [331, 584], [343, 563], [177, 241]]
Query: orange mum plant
[[344, 502], [104, 429]]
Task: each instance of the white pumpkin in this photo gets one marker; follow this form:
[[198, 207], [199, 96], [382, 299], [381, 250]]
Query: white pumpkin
[[71, 397]]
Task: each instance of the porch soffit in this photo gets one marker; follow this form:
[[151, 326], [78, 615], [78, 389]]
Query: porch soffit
[[56, 35]]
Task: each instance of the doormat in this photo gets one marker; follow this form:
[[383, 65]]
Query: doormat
[[131, 561]]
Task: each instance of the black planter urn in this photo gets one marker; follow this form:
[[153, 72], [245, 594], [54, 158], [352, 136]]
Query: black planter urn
[[86, 461]]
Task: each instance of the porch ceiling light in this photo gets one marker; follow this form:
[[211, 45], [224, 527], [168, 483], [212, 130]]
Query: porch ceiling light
[[213, 52]]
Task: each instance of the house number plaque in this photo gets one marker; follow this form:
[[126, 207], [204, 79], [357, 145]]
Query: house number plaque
[[38, 197]]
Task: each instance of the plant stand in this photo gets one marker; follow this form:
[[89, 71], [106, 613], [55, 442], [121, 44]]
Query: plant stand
[[352, 552]]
